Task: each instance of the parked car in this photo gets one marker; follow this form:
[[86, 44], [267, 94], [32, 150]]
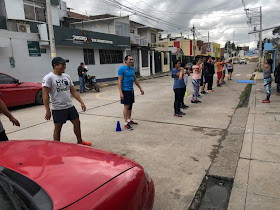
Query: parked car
[[37, 174], [236, 61], [243, 60], [15, 92], [191, 65]]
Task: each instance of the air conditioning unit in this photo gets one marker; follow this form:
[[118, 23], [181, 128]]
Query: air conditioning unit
[[24, 28]]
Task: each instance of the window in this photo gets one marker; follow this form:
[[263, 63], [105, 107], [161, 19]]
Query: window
[[145, 58], [111, 56], [34, 11], [153, 38], [122, 29], [89, 57], [5, 79]]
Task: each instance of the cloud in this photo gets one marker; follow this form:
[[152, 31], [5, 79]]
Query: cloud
[[221, 18]]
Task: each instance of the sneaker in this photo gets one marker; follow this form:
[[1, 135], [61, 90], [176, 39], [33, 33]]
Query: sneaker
[[85, 143], [132, 123], [128, 127], [198, 101], [219, 85], [266, 101], [184, 107], [204, 92], [182, 113], [211, 91], [177, 115]]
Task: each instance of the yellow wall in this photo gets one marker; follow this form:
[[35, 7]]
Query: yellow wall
[[185, 46], [216, 50], [165, 68]]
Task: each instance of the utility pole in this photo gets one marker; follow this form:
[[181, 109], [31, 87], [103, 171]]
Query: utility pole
[[208, 44], [50, 26], [194, 46], [260, 47], [181, 47]]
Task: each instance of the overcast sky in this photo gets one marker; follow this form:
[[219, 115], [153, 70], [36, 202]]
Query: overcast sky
[[225, 20]]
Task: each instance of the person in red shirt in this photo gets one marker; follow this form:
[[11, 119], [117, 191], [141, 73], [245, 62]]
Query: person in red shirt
[[219, 72]]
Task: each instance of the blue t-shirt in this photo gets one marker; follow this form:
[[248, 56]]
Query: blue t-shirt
[[128, 77], [178, 83]]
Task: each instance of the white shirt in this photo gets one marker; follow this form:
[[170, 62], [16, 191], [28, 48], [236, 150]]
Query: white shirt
[[59, 90]]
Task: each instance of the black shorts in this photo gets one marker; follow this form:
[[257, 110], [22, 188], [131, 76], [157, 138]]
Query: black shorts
[[3, 136], [128, 97], [230, 70], [205, 78], [61, 116]]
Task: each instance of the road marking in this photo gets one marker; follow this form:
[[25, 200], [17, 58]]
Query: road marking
[[256, 76], [249, 75], [237, 75]]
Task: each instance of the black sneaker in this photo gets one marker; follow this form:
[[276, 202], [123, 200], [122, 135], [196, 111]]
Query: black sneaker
[[177, 115], [184, 107], [198, 101], [128, 127], [132, 123], [194, 102], [182, 113], [203, 92]]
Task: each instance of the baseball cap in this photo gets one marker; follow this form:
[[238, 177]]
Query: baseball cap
[[59, 60]]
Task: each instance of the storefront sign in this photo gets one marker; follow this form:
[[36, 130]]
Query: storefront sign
[[34, 49], [65, 36]]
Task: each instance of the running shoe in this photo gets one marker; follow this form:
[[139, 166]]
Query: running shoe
[[266, 101], [204, 92], [219, 85], [198, 101], [128, 127], [182, 113], [132, 123], [85, 143], [177, 115], [184, 107]]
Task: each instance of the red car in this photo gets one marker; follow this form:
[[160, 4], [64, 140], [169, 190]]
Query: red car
[[16, 93], [36, 174]]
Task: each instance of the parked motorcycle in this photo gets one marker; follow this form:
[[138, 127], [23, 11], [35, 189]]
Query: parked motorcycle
[[90, 83]]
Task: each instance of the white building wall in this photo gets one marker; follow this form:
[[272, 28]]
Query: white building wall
[[107, 27], [33, 69], [14, 9]]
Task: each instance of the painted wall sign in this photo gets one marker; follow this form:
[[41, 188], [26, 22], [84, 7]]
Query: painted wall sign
[[34, 49]]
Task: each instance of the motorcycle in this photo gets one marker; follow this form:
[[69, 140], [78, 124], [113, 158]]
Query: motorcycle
[[90, 83]]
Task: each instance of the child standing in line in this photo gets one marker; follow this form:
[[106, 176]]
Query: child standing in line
[[197, 70]]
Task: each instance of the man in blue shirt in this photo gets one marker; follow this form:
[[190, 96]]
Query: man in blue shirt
[[126, 78]]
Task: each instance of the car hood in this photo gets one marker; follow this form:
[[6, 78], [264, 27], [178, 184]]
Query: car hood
[[67, 172], [31, 84]]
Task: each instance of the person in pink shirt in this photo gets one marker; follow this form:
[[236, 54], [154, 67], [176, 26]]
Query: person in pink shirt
[[197, 72]]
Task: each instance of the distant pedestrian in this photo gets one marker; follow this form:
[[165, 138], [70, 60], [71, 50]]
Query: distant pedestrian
[[57, 86], [197, 71], [185, 78], [7, 113], [223, 72], [219, 72], [178, 87], [82, 74], [277, 79], [230, 69], [126, 78], [211, 68], [267, 79], [205, 75]]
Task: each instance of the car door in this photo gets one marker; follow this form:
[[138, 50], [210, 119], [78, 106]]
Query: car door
[[13, 94]]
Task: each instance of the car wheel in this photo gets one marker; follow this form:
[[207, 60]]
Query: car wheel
[[39, 98]]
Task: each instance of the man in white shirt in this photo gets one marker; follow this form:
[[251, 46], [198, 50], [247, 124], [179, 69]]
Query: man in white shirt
[[57, 86]]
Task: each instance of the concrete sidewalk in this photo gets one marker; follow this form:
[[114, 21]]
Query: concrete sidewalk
[[257, 179]]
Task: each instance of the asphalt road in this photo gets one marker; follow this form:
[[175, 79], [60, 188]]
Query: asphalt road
[[176, 152]]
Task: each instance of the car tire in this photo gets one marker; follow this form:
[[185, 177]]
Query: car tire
[[39, 98]]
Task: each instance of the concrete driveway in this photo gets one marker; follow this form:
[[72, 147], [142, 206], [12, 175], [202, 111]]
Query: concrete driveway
[[176, 152]]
